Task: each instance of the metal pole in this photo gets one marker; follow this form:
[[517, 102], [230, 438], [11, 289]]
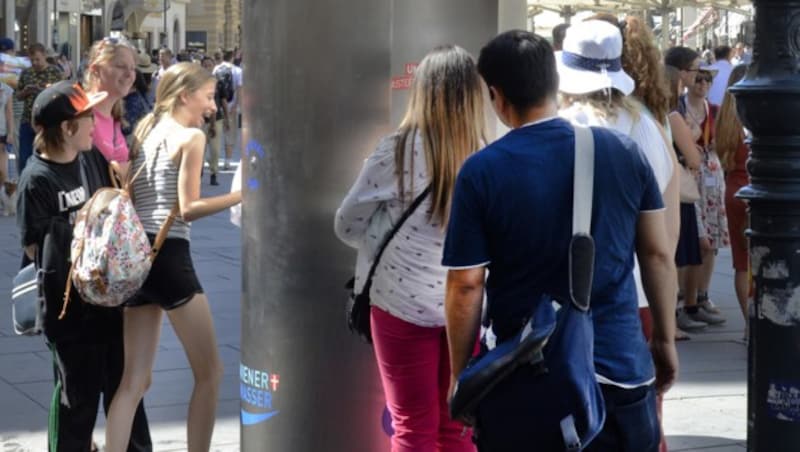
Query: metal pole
[[164, 43], [54, 33], [768, 102], [306, 383], [666, 28]]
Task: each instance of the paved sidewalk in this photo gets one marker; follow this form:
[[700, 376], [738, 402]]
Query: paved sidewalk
[[26, 373], [705, 411]]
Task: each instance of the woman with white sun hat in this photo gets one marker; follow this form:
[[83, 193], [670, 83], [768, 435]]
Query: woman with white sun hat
[[595, 91]]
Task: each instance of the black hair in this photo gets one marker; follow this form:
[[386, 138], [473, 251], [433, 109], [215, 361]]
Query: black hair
[[722, 52], [522, 65], [680, 58], [227, 55], [37, 48], [559, 33]]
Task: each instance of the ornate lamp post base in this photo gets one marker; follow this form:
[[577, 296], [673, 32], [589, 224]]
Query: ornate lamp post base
[[768, 101]]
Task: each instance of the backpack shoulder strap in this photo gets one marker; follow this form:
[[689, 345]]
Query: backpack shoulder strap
[[163, 231], [165, 227]]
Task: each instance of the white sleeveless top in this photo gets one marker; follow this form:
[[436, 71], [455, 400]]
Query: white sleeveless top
[[155, 190]]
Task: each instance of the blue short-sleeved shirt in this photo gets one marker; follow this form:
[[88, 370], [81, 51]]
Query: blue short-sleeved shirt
[[512, 212]]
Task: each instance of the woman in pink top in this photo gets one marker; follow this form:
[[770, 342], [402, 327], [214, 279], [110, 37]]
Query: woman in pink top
[[111, 68]]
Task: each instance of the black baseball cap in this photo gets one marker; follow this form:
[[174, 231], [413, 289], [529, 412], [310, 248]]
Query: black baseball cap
[[62, 101]]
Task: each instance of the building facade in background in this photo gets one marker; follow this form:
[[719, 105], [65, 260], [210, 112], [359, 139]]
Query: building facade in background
[[214, 24], [70, 26]]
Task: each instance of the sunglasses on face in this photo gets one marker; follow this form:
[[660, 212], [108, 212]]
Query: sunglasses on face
[[703, 78]]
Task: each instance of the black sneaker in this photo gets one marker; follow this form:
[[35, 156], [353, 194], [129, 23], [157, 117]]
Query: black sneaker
[[214, 179]]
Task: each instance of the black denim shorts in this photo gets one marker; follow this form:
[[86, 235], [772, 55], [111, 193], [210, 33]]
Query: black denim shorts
[[172, 281]]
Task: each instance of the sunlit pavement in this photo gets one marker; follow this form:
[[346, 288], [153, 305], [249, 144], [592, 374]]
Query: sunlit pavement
[[707, 408], [26, 372], [705, 411]]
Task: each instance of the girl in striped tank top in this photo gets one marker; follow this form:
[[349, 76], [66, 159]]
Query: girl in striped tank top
[[170, 145]]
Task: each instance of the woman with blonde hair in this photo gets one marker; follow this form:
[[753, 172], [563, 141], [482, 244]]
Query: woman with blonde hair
[[443, 125], [168, 150], [733, 153], [111, 67]]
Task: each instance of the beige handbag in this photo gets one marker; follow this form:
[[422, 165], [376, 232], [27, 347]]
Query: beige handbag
[[688, 186], [689, 192]]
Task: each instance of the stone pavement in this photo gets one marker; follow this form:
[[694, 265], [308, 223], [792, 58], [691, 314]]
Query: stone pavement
[[26, 372], [705, 411]]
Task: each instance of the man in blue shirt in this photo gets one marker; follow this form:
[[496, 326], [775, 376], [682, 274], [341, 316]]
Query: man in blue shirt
[[512, 213]]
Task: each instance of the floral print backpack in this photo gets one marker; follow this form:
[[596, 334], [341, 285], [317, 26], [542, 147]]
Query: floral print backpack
[[111, 254]]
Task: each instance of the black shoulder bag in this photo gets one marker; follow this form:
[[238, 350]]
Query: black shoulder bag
[[359, 303]]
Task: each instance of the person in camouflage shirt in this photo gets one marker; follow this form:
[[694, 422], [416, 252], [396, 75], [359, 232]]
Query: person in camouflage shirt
[[31, 82]]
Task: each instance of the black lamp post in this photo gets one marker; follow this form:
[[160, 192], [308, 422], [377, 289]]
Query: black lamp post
[[768, 101]]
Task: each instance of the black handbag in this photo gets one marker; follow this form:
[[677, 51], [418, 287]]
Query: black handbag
[[542, 381], [27, 301], [359, 303]]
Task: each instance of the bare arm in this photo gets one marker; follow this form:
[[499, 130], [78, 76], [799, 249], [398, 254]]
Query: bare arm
[[682, 136], [462, 308], [671, 196], [659, 279], [30, 251], [672, 203], [9, 122], [192, 206]]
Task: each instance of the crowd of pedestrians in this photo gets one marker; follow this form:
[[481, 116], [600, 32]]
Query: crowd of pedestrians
[[76, 137], [489, 237], [486, 243]]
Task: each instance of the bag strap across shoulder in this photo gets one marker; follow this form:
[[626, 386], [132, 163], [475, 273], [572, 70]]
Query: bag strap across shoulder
[[581, 248], [583, 184], [157, 243], [413, 207]]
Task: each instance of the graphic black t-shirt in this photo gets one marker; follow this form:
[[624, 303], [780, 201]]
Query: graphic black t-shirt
[[50, 196], [47, 189]]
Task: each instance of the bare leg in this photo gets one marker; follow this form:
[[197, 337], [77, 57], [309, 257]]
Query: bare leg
[[742, 285], [3, 164], [195, 329], [141, 330], [706, 269], [689, 277]]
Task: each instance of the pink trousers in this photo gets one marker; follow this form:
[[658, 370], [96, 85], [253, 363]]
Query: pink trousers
[[415, 371]]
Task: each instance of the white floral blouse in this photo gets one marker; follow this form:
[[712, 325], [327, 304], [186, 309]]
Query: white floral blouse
[[409, 282]]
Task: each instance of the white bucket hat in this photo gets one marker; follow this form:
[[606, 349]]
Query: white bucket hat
[[591, 59]]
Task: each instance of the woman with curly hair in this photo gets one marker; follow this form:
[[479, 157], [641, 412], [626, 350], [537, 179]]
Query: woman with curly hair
[[641, 60]]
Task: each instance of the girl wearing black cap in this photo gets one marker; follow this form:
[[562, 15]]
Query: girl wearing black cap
[[86, 343]]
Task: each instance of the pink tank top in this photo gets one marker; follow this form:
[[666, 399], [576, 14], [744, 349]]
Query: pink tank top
[[108, 138]]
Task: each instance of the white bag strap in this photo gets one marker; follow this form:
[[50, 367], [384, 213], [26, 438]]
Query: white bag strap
[[583, 185]]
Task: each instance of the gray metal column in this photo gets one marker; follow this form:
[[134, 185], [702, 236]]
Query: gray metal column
[[318, 95], [420, 25]]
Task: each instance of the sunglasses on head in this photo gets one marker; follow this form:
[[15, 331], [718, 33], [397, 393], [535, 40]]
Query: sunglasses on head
[[113, 41], [703, 78]]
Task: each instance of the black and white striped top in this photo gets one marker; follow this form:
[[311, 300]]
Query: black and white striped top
[[155, 189]]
